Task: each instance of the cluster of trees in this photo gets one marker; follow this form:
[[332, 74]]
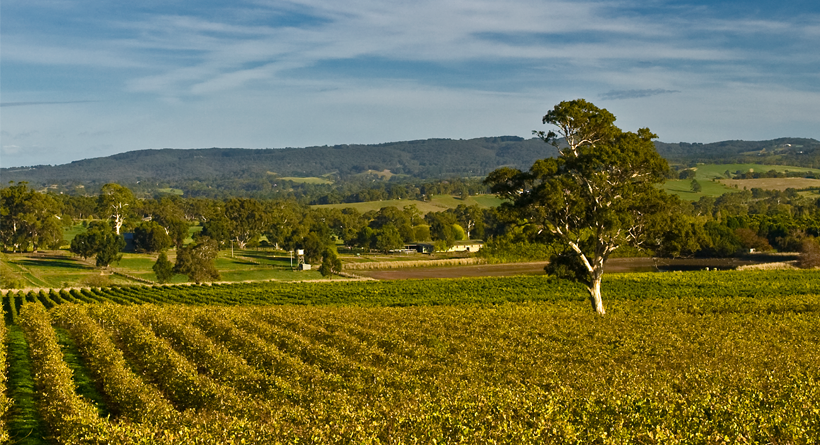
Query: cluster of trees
[[100, 242], [773, 174], [754, 219], [782, 151], [289, 226], [402, 189], [30, 220]]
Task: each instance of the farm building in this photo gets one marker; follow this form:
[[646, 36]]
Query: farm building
[[467, 246], [458, 246], [420, 247]]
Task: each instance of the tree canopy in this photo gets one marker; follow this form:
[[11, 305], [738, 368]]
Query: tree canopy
[[99, 241], [597, 195]]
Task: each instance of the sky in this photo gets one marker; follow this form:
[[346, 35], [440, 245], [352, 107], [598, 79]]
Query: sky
[[84, 78]]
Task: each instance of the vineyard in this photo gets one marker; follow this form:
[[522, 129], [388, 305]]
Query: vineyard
[[706, 357]]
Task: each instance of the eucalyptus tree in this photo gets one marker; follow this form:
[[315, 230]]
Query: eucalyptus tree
[[115, 202], [30, 219], [597, 195], [169, 213], [198, 260], [248, 219], [99, 241], [471, 218]]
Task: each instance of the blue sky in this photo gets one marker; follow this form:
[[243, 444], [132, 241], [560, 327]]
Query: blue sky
[[84, 78]]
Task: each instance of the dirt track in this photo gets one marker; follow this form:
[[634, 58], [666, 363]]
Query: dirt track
[[614, 265]]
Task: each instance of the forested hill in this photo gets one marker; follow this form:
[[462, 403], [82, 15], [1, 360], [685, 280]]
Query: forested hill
[[431, 158], [784, 151]]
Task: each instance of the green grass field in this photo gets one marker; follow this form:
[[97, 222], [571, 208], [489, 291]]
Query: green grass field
[[780, 184], [172, 191], [437, 203], [307, 180], [709, 171], [70, 232], [60, 269], [683, 188]]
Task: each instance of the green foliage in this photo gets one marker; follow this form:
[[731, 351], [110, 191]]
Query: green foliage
[[809, 254], [331, 264], [490, 290], [722, 241], [163, 268], [29, 219], [442, 228], [114, 203], [108, 249], [197, 260], [248, 219], [598, 194], [687, 174], [314, 245], [421, 233], [512, 247], [217, 229], [5, 401], [100, 242], [388, 238], [24, 421], [150, 236]]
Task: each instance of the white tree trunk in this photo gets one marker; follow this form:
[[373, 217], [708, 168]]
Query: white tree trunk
[[595, 292], [118, 221], [596, 273]]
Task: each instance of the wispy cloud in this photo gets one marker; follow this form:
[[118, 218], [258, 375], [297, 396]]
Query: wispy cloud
[[273, 68], [65, 102], [634, 94]]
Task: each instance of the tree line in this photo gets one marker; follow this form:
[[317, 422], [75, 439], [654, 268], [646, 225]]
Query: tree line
[[708, 227]]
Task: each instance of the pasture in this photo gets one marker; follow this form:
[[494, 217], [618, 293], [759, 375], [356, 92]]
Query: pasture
[[436, 203], [306, 180], [683, 188], [60, 269], [780, 184], [717, 171]]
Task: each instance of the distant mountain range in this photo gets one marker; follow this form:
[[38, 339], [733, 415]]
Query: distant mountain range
[[425, 159]]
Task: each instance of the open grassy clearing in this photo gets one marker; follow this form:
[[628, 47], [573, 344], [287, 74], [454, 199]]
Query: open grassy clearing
[[70, 232], [683, 188], [306, 180], [172, 191], [717, 171], [56, 269], [437, 203], [772, 183], [707, 172]]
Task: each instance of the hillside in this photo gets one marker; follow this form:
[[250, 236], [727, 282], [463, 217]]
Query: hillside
[[236, 168], [431, 158], [784, 151]]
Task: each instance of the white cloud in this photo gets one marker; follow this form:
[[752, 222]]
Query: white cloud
[[248, 75]]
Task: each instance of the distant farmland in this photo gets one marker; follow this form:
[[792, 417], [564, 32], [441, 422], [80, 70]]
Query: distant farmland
[[772, 183], [437, 203]]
